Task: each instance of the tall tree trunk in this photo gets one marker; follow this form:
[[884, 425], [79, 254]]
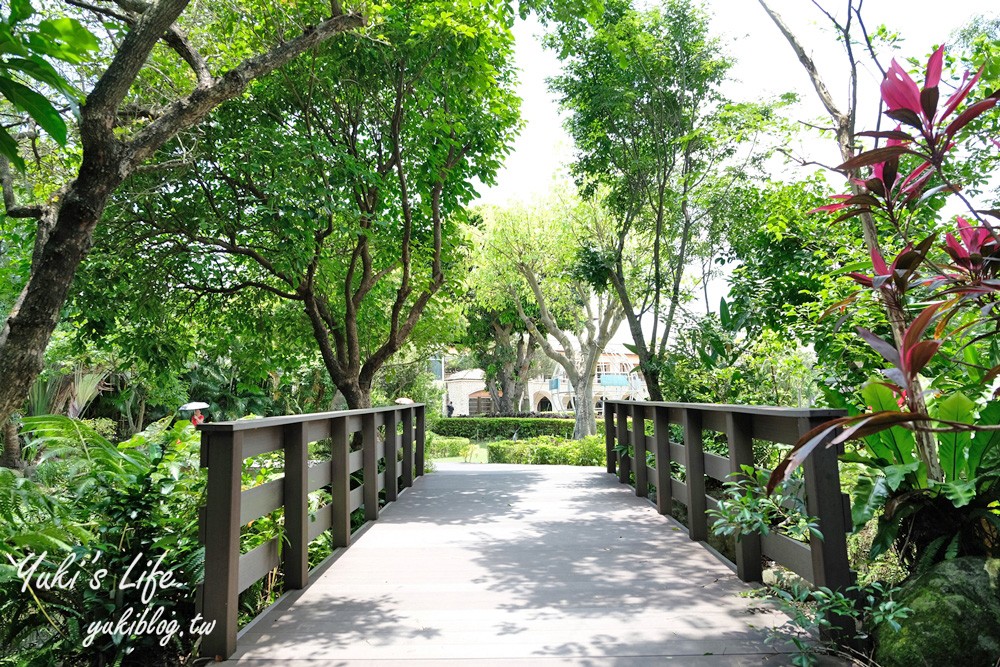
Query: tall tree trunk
[[29, 327], [357, 397], [11, 457], [647, 367], [651, 376], [583, 399], [505, 396], [500, 393]]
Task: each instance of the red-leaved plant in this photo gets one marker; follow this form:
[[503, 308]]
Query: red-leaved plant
[[945, 497]]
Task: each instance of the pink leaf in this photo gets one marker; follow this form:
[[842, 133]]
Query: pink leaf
[[861, 279], [899, 91], [955, 248], [828, 208], [913, 175], [878, 263], [919, 326], [885, 349], [934, 68], [973, 237]]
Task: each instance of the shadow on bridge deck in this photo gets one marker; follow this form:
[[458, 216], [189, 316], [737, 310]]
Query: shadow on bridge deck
[[511, 565]]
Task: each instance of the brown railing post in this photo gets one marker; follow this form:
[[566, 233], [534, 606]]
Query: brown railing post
[[340, 482], [661, 432], [609, 436], [639, 449], [694, 475], [224, 457], [369, 457], [419, 454], [408, 462], [296, 552], [739, 430], [624, 462], [825, 501], [391, 468]]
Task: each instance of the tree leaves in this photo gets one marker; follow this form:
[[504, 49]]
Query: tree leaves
[[25, 70], [37, 106], [867, 497], [984, 442], [953, 446]]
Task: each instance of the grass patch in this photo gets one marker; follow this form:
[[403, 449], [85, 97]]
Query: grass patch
[[473, 453]]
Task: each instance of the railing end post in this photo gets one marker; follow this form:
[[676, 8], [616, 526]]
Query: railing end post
[[419, 449], [223, 456], [609, 437]]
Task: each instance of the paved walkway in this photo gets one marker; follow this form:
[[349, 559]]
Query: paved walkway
[[518, 565]]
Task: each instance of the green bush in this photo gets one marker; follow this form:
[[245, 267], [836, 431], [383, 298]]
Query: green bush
[[101, 507], [503, 428], [105, 427], [442, 447], [549, 450]]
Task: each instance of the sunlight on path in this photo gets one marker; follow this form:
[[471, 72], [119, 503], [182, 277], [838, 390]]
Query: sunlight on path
[[512, 565]]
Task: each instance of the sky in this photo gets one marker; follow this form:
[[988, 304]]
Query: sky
[[765, 67]]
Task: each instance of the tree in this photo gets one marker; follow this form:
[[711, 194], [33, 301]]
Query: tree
[[654, 138], [528, 255], [114, 141], [505, 349], [338, 184]]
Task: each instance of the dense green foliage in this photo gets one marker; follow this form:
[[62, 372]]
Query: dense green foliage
[[527, 255], [28, 45], [99, 507], [351, 251], [660, 148]]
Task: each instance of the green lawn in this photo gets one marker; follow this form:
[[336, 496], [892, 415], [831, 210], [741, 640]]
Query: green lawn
[[477, 454]]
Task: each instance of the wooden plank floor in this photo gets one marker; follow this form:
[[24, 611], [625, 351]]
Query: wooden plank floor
[[518, 565]]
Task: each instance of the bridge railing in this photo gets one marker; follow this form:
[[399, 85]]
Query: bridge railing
[[821, 562], [385, 444]]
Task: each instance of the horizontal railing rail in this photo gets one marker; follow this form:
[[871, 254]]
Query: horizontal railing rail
[[821, 562], [356, 445]]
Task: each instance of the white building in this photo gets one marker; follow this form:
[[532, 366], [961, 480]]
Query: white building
[[615, 379]]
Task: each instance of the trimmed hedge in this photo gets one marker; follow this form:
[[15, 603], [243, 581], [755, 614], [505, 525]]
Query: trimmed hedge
[[548, 450], [503, 428], [523, 415]]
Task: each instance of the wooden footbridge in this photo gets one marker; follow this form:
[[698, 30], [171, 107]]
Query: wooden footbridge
[[499, 564]]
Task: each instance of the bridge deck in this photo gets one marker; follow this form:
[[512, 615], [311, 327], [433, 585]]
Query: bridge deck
[[512, 565]]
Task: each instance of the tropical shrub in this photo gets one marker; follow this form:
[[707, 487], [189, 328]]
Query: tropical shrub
[[745, 509], [930, 455], [102, 511]]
